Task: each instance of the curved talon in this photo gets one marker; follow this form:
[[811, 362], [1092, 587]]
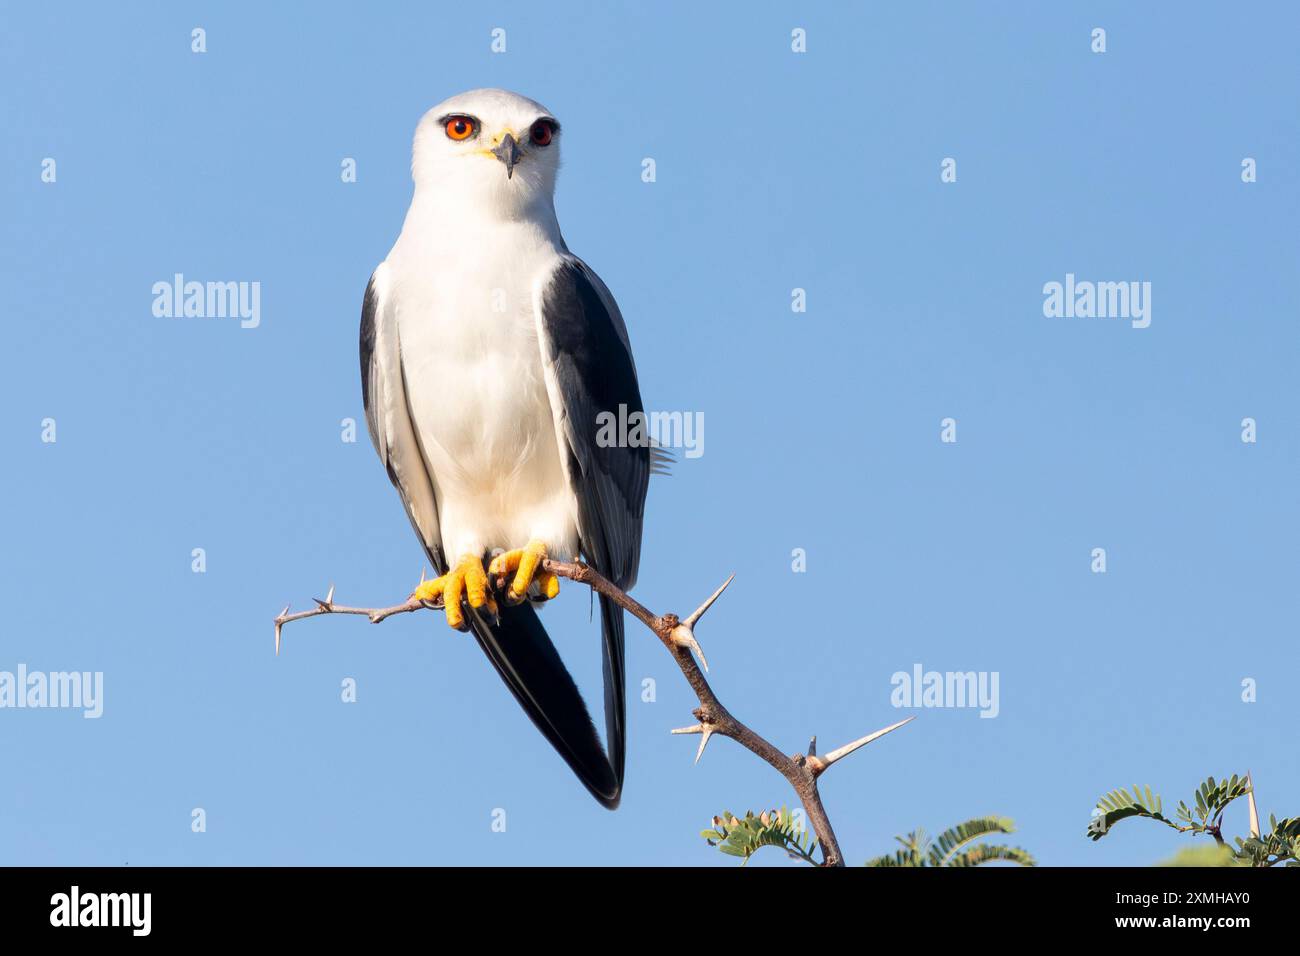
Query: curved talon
[[493, 610], [468, 581], [526, 562]]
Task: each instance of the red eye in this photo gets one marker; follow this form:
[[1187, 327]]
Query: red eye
[[542, 132], [460, 127]]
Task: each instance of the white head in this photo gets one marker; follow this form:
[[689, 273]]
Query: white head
[[494, 148]]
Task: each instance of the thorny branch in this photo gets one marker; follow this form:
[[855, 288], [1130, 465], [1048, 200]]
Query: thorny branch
[[678, 636]]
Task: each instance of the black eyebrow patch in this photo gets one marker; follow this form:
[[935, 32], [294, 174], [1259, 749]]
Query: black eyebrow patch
[[444, 120]]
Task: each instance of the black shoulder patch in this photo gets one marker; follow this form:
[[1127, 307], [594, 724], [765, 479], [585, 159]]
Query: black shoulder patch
[[583, 332]]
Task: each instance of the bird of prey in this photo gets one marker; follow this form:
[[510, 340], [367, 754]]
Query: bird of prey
[[488, 351]]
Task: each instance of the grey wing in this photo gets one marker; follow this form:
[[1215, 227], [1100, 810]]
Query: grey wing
[[590, 372], [383, 391]]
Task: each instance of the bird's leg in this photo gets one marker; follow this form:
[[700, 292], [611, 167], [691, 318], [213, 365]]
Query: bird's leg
[[526, 562], [466, 580]]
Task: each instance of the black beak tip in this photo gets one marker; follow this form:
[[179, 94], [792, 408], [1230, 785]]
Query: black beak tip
[[508, 152]]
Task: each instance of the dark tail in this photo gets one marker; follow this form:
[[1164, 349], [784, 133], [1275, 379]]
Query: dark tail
[[527, 661]]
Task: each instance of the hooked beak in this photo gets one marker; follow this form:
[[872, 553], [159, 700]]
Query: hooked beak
[[508, 152]]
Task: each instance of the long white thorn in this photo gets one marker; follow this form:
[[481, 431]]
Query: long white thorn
[[279, 623], [684, 633], [704, 742], [1250, 802], [683, 636], [691, 621], [819, 764], [705, 732]]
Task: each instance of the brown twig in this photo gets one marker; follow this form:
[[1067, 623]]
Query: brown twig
[[678, 636], [327, 606]]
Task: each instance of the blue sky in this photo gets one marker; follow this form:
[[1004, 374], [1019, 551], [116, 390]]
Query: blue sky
[[775, 171]]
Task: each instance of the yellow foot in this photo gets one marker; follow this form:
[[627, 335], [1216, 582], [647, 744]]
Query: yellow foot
[[526, 562], [466, 580]]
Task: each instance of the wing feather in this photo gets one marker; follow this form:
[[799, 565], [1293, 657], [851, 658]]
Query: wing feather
[[587, 361], [590, 372], [383, 391]]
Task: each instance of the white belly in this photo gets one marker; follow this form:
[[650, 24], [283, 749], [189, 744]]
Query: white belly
[[479, 402]]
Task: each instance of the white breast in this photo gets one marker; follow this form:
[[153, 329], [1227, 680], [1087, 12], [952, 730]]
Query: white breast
[[479, 404]]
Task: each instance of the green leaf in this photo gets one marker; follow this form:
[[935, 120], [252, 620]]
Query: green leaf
[[985, 853], [954, 847], [951, 841], [1120, 805], [746, 836]]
